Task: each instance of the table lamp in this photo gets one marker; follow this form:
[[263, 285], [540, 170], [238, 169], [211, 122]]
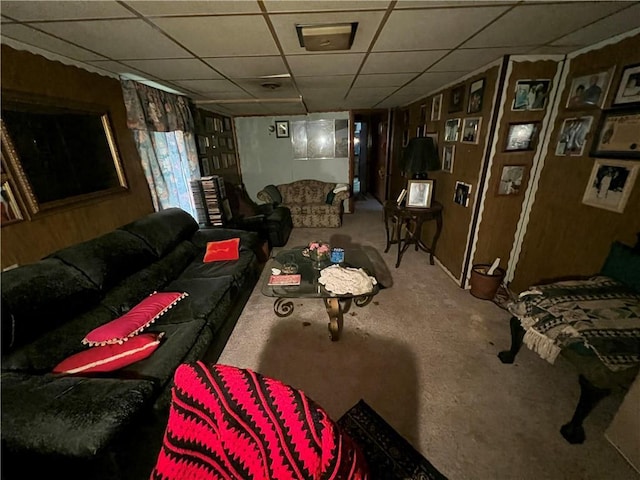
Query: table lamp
[[419, 157]]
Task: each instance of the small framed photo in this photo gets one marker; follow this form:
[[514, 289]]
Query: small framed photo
[[521, 136], [618, 134], [471, 129], [282, 128], [629, 88], [531, 94], [462, 194], [590, 90], [610, 184], [419, 193], [436, 107], [456, 100], [511, 179], [423, 113], [451, 129], [448, 154], [573, 136], [476, 92]]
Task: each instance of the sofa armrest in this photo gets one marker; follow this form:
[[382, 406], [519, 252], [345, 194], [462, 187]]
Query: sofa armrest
[[340, 197], [248, 240]]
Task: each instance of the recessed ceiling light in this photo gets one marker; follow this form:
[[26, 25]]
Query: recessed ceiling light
[[326, 37]]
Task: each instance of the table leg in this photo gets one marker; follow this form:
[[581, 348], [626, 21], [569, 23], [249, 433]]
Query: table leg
[[283, 307], [386, 229], [436, 236], [334, 310]]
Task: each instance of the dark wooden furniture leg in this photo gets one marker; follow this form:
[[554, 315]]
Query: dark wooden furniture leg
[[517, 334], [590, 395]]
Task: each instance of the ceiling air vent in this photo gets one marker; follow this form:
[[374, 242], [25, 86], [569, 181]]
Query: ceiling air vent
[[326, 37]]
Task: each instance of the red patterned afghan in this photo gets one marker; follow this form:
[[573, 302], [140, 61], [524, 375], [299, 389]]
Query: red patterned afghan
[[231, 423]]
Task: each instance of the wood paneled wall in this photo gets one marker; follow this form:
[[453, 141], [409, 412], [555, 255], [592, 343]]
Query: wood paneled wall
[[30, 240], [564, 236]]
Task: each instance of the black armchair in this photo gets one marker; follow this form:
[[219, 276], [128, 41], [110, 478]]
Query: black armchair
[[273, 224]]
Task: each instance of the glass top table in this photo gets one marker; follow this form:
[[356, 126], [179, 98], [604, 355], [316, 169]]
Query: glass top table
[[310, 287]]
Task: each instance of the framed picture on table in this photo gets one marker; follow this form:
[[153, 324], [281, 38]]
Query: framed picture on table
[[419, 193]]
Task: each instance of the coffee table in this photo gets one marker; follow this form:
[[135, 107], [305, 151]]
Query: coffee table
[[336, 304]]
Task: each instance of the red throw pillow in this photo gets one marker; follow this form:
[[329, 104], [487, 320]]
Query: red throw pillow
[[108, 358], [135, 320], [223, 250]]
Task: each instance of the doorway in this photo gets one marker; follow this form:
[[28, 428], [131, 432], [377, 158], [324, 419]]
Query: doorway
[[370, 159]]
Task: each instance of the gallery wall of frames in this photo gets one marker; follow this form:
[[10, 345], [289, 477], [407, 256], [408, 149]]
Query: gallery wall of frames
[[549, 165]]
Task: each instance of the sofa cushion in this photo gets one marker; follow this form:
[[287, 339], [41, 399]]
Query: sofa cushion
[[274, 193], [107, 358], [38, 297], [163, 230], [204, 293], [222, 250], [623, 265], [135, 320], [69, 415], [235, 269], [133, 289], [108, 259], [46, 351]]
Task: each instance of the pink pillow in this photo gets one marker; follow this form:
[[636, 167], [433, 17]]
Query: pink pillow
[[223, 250], [108, 358], [135, 320]]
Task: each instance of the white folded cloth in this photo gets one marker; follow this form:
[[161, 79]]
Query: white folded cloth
[[342, 281]]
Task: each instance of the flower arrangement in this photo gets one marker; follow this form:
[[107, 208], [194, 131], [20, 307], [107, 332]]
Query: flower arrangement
[[319, 250]]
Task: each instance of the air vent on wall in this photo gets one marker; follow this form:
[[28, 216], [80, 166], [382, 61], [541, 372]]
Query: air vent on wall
[[325, 37]]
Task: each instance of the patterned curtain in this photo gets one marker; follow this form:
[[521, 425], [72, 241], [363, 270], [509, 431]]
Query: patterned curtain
[[163, 130]]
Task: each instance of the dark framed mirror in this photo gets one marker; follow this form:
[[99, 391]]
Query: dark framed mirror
[[59, 152]]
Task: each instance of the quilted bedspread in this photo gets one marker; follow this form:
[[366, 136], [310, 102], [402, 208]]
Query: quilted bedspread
[[600, 313], [232, 423]]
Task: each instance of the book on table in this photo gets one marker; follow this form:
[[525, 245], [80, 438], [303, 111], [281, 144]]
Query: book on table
[[293, 279]]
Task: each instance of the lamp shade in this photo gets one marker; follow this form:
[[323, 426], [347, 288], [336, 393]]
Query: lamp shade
[[420, 156]]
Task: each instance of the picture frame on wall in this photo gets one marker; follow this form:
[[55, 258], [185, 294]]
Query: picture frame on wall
[[521, 136], [511, 179], [610, 184], [10, 210], [451, 130], [456, 99], [590, 90], [423, 113], [448, 156], [476, 93], [573, 136], [436, 107], [618, 134], [629, 89], [419, 193], [471, 130], [531, 94], [462, 193]]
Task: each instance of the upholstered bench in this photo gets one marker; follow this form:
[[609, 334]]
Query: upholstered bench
[[594, 323]]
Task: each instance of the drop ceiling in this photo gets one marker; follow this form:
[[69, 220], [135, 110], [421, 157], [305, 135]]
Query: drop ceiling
[[219, 53]]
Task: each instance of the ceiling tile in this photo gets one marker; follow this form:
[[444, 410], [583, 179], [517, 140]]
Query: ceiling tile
[[401, 62], [47, 42], [285, 90], [327, 64], [221, 36], [327, 81], [550, 50], [426, 80], [284, 108], [285, 25], [328, 94], [435, 29], [230, 95], [115, 67], [248, 67], [117, 39], [370, 92], [460, 3], [209, 86], [619, 22], [383, 79], [175, 68], [182, 7], [242, 108], [318, 6], [67, 10], [467, 60], [543, 23]]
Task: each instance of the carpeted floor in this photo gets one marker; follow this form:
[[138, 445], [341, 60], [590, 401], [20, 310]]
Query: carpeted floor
[[423, 356]]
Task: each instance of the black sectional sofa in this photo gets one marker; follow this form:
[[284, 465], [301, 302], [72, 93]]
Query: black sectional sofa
[[85, 426]]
